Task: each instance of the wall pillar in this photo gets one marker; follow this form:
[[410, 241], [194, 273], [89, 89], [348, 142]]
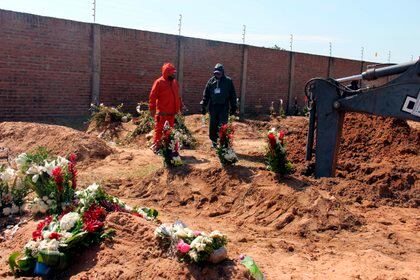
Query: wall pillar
[[244, 79], [96, 62]]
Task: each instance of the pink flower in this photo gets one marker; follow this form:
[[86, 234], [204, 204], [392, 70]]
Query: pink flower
[[197, 232], [183, 247]]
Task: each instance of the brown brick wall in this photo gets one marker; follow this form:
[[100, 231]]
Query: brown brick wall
[[130, 61], [46, 67], [200, 57], [267, 79]]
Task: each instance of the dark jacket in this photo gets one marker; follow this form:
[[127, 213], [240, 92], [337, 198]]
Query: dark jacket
[[227, 95]]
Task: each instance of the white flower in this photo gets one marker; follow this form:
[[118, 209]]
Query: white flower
[[66, 235], [128, 208], [33, 247], [49, 167], [217, 234], [15, 209], [62, 162], [46, 234], [163, 231], [21, 160], [198, 243], [49, 245], [93, 188], [193, 255], [181, 232], [7, 211], [69, 220], [8, 175]]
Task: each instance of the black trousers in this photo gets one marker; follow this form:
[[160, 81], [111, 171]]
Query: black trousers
[[219, 114]]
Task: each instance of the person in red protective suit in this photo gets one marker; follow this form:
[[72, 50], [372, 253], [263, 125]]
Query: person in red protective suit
[[164, 101]]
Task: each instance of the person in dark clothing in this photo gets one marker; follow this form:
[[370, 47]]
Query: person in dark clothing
[[219, 97]]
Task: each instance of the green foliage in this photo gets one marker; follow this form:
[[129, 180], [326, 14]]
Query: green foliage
[[104, 115], [144, 122], [186, 137]]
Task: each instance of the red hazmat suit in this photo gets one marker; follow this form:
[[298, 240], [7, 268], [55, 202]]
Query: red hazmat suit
[[164, 99]]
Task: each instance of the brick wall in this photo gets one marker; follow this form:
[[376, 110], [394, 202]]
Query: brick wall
[[267, 79], [306, 67], [130, 61], [200, 57], [46, 67]]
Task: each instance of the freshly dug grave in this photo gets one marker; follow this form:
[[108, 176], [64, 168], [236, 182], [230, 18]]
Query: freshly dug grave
[[132, 254], [18, 137], [246, 196], [379, 158]]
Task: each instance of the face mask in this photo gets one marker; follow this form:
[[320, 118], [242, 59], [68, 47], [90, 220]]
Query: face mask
[[218, 75], [171, 77]]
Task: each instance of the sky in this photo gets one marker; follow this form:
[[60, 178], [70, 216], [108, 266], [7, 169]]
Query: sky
[[386, 30]]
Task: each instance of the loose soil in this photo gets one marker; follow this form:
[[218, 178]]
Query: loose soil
[[362, 224]]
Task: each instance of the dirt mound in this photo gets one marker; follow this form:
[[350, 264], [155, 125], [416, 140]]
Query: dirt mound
[[378, 157], [18, 137], [369, 137], [132, 254], [253, 197]]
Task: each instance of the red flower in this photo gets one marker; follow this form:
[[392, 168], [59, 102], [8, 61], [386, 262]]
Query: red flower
[[58, 177], [73, 158], [93, 217], [281, 134], [37, 235], [55, 235], [73, 171], [44, 223], [92, 226], [94, 213], [137, 214], [272, 140]]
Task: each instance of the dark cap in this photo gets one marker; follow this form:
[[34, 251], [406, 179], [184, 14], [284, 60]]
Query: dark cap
[[219, 68]]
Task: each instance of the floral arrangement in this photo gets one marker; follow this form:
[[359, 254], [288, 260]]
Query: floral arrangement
[[57, 237], [192, 246], [104, 115], [169, 146], [12, 191], [276, 156], [224, 148], [186, 137], [94, 194], [52, 179]]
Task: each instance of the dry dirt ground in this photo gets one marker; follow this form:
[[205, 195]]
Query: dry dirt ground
[[363, 224]]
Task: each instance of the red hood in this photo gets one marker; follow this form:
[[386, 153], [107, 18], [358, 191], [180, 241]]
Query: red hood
[[168, 69]]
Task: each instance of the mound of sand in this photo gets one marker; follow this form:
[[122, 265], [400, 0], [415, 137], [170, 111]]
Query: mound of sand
[[18, 137], [132, 254], [255, 198]]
